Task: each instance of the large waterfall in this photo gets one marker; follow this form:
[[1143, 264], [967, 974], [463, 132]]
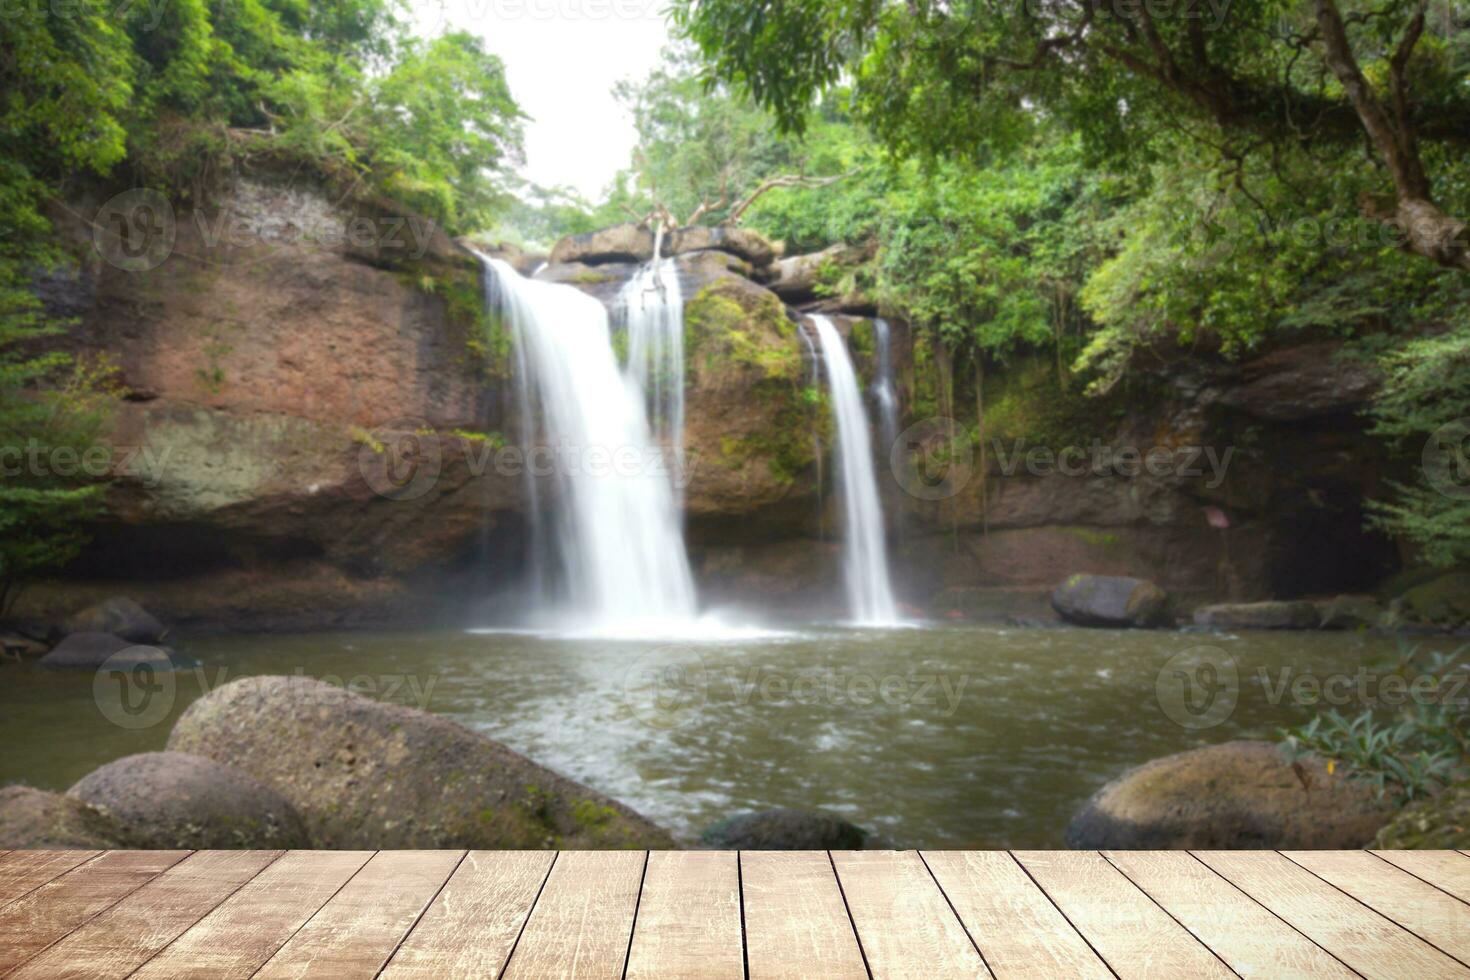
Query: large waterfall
[[614, 529], [866, 558]]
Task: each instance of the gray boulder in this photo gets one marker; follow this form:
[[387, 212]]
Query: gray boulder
[[363, 774], [1110, 601], [35, 819], [743, 243], [620, 243], [1349, 612], [1275, 615], [173, 800], [1240, 794], [89, 651], [785, 830], [121, 617]]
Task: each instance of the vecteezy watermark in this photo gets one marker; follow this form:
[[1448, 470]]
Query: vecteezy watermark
[[666, 688], [1198, 688], [135, 231], [144, 464], [1446, 459], [136, 687], [932, 459], [404, 458]]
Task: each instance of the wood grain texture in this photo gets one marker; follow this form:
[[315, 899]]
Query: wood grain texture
[[1018, 929], [884, 888], [1441, 920], [470, 929], [353, 935], [1251, 940], [1449, 871], [123, 938], [1364, 940], [1127, 928], [25, 871], [52, 911], [796, 924], [247, 928], [688, 923], [583, 920]]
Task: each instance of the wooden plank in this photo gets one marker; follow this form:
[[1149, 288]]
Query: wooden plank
[[583, 921], [796, 924], [689, 917], [1360, 937], [1448, 871], [1441, 920], [123, 938], [471, 928], [1251, 940], [354, 934], [54, 910], [247, 928], [25, 871], [903, 920], [1125, 926], [1018, 929]]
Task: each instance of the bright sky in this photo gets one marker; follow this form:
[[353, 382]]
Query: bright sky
[[562, 58]]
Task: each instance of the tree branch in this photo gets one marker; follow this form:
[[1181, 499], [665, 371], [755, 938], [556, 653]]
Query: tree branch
[[785, 180]]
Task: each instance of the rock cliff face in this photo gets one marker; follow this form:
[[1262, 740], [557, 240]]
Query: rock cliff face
[[314, 418]]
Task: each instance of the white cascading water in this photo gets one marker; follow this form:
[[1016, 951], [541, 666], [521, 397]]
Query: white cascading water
[[883, 390], [866, 557], [651, 306], [617, 532]]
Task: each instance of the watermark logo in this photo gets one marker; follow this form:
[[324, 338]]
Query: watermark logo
[[1446, 459], [932, 459], [664, 692], [1198, 688], [135, 231], [135, 688], [401, 459]]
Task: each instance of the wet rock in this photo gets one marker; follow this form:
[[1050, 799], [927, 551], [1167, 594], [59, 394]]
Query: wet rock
[[1240, 794], [1110, 600], [121, 617], [363, 774], [1439, 823], [797, 277], [785, 830], [20, 647], [89, 651], [1442, 602], [1349, 612], [620, 243], [174, 800], [35, 819], [743, 243], [1304, 382], [1259, 616]]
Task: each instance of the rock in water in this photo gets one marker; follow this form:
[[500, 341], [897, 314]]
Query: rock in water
[[363, 774], [172, 800], [89, 651], [1349, 612], [1240, 794], [35, 819], [785, 830], [1110, 600], [1259, 616], [1440, 823], [122, 618]]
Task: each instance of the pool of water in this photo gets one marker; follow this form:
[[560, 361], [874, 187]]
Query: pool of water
[[946, 736]]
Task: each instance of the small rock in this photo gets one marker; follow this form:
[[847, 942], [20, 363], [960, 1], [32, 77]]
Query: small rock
[[1439, 823], [89, 651], [785, 830], [620, 243], [121, 617], [1108, 600], [743, 243], [21, 647], [1299, 615], [35, 819], [173, 800], [1240, 794], [1350, 612]]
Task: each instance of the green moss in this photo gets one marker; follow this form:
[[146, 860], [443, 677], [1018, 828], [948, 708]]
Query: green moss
[[1024, 401], [589, 815], [1097, 539], [589, 278]]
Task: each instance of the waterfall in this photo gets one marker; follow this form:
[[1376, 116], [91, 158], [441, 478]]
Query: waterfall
[[615, 528], [817, 453], [865, 560], [651, 307], [883, 390]]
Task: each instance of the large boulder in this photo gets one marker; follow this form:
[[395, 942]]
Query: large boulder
[[785, 830], [620, 243], [1442, 602], [1274, 615], [35, 819], [1349, 612], [174, 800], [121, 617], [1441, 822], [363, 774], [796, 278], [89, 651], [743, 243], [1240, 794], [1110, 600]]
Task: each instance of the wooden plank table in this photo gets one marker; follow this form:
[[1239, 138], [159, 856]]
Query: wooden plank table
[[722, 914]]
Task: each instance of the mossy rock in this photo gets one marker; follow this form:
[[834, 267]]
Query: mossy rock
[[364, 774], [785, 830], [33, 819], [1443, 601], [1439, 823]]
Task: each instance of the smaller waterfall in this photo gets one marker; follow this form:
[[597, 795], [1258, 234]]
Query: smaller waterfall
[[811, 350], [883, 390], [866, 559], [651, 306]]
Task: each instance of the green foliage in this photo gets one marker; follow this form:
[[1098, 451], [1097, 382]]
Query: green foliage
[[1415, 753]]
